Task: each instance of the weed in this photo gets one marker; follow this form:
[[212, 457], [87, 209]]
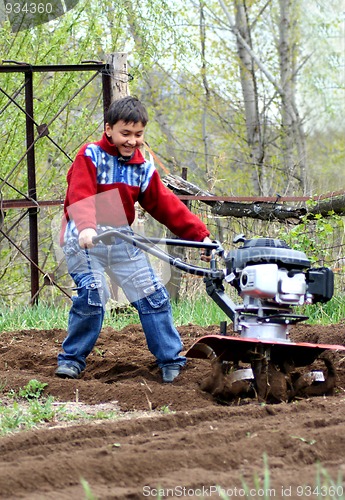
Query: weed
[[3, 385], [99, 352], [87, 490], [33, 390], [166, 410]]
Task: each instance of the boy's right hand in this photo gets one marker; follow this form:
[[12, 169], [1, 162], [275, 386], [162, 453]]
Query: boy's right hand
[[85, 237]]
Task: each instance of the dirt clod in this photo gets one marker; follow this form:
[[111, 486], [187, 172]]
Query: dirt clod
[[167, 436]]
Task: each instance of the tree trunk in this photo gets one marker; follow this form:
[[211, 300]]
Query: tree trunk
[[293, 142], [294, 150], [250, 98], [209, 170]]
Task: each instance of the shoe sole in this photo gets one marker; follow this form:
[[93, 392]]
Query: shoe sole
[[70, 375], [63, 375]]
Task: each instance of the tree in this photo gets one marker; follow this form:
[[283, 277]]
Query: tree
[[236, 92], [294, 157], [250, 94]]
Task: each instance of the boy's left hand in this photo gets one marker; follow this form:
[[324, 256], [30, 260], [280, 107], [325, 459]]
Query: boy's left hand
[[204, 254]]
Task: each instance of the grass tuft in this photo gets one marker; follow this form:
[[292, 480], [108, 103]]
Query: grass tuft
[[201, 311]]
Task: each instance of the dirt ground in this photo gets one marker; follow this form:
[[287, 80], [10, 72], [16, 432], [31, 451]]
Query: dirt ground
[[174, 440]]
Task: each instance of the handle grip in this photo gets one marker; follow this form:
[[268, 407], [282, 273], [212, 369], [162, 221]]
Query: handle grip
[[108, 238], [143, 243]]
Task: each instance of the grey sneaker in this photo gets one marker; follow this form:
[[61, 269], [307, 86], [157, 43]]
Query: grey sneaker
[[170, 372], [67, 371]]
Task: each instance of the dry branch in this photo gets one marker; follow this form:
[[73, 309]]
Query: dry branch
[[260, 210], [263, 209], [335, 204]]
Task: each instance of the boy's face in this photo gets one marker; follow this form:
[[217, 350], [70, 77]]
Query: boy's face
[[126, 136]]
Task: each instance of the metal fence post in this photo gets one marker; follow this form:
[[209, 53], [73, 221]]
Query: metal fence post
[[31, 169]]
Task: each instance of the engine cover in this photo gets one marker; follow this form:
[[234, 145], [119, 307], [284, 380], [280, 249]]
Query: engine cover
[[265, 251], [267, 281], [268, 269]]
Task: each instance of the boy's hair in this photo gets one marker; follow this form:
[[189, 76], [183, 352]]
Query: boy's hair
[[128, 109]]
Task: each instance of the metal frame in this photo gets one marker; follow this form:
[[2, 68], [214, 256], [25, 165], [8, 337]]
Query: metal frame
[[30, 201]]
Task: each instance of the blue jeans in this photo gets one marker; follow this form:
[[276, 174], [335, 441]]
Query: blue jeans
[[129, 268]]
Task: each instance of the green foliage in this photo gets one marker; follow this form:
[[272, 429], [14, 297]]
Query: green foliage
[[87, 490], [33, 390], [166, 410], [332, 312], [199, 311], [41, 411], [19, 416], [326, 152], [21, 317], [28, 408], [163, 42], [11, 418], [44, 316], [313, 235]]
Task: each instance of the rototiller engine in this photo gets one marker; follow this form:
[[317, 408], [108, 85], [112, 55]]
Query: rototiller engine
[[271, 279]]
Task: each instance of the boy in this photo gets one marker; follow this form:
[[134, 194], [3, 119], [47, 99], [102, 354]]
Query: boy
[[104, 182]]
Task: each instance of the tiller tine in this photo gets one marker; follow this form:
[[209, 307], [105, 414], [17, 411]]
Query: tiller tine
[[271, 278], [237, 349], [273, 377]]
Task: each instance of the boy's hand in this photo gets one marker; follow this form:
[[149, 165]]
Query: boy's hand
[[85, 237], [205, 255]]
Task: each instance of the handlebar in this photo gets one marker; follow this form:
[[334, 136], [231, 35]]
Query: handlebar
[[143, 243], [107, 238]]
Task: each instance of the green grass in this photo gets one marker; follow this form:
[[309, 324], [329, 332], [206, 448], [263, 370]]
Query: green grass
[[201, 311], [87, 490], [324, 486], [25, 317], [44, 316], [29, 408], [330, 312], [260, 487]]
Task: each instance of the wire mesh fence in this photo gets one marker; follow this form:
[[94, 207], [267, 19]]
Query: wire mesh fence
[[321, 239]]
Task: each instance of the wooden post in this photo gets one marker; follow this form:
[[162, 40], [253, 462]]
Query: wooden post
[[118, 62], [174, 284], [119, 88]]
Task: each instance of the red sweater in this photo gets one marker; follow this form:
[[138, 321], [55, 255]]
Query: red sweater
[[118, 184]]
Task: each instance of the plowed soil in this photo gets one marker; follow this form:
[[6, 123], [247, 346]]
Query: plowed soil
[[170, 440]]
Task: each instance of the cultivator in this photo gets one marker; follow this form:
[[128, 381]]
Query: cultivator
[[271, 279]]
